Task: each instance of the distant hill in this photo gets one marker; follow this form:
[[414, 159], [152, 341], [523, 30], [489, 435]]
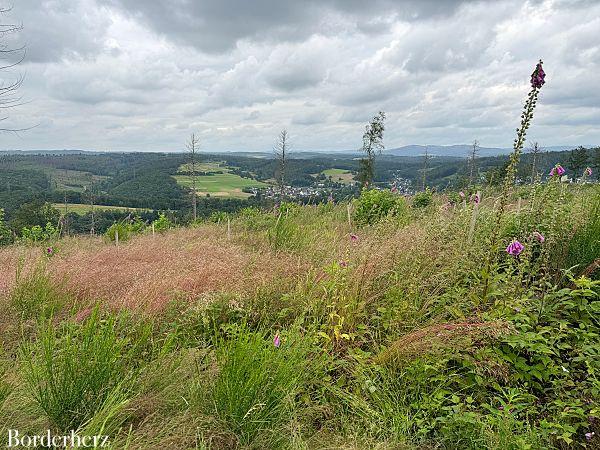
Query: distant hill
[[461, 150]]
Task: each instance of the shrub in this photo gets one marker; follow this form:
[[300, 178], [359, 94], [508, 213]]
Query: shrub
[[73, 371], [255, 389], [122, 229], [162, 223], [39, 234], [374, 205], [422, 199]]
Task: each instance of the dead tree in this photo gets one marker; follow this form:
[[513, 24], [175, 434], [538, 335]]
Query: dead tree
[[426, 158], [281, 150], [10, 58], [372, 143], [473, 161], [193, 146], [535, 151]]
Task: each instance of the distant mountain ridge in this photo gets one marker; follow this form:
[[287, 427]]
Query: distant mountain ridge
[[458, 150]]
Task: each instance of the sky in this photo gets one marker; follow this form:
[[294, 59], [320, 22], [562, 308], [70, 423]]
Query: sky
[[142, 75]]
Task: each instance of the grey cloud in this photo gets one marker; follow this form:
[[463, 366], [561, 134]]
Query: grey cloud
[[217, 25]]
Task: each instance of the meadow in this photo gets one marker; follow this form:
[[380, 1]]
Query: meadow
[[83, 208], [218, 181], [388, 322]]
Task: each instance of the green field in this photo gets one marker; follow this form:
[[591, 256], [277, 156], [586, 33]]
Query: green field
[[339, 175], [223, 184], [82, 208]]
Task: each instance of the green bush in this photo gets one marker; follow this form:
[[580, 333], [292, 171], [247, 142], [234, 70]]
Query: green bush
[[374, 205], [422, 199], [162, 223], [255, 390], [122, 229], [38, 234], [74, 371]]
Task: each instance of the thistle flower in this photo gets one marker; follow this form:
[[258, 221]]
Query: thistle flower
[[50, 251], [476, 198], [588, 172], [538, 236], [353, 237], [538, 76], [344, 264], [557, 170], [276, 340], [515, 248]]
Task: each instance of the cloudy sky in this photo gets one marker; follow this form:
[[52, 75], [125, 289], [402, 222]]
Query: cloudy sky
[[144, 74]]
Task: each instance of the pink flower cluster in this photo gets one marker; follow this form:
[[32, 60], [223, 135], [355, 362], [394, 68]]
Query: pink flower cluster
[[515, 248], [557, 170]]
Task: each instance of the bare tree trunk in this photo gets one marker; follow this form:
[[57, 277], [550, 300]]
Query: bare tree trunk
[[282, 147], [472, 161], [193, 145], [425, 167]]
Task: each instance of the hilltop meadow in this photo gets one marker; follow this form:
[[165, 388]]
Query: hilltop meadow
[[386, 322]]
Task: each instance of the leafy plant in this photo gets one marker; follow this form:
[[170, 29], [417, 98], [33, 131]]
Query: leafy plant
[[374, 205], [422, 199]]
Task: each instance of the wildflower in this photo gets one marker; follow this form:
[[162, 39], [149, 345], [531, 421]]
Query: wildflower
[[476, 198], [330, 198], [589, 435], [515, 248], [394, 189], [538, 76], [588, 172], [538, 236], [462, 195], [353, 237], [557, 170], [276, 340], [50, 251], [343, 263]]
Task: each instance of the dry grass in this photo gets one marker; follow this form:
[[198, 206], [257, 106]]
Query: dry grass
[[149, 271]]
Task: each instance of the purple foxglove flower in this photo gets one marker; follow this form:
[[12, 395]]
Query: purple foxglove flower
[[353, 237], [394, 189], [557, 170], [515, 248], [50, 251], [276, 340], [461, 194], [538, 76], [343, 263], [589, 435], [588, 172], [476, 198], [538, 236]]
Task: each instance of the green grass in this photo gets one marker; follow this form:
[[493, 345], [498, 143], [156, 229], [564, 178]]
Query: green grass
[[339, 175], [224, 184], [83, 208]]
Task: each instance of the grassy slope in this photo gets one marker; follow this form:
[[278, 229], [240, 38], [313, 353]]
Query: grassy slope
[[185, 386], [81, 208]]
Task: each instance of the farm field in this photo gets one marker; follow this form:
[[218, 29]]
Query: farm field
[[223, 184], [82, 208], [339, 175]]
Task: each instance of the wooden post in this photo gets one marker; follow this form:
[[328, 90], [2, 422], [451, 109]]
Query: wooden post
[[228, 229], [152, 228], [348, 207], [117, 238]]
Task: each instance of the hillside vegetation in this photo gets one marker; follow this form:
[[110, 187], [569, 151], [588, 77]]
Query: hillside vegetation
[[389, 322]]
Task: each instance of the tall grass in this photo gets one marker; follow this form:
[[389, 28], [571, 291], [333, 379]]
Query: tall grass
[[255, 390], [75, 371]]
